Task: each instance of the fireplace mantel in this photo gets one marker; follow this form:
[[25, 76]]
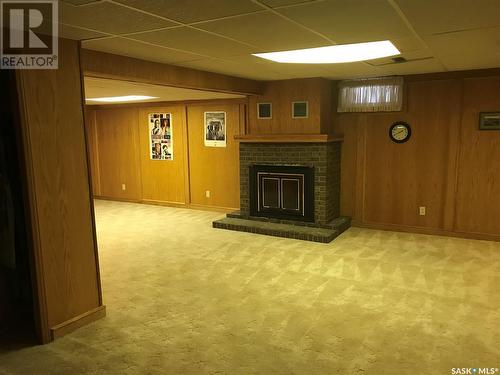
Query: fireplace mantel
[[288, 138]]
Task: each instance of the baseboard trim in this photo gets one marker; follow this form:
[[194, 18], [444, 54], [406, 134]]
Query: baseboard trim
[[105, 198], [164, 203], [171, 204], [77, 322], [424, 230], [202, 207]]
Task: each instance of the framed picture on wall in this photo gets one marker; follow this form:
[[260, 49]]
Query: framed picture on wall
[[161, 146], [215, 129], [264, 111], [489, 121]]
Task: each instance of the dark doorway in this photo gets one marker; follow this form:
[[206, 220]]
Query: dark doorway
[[17, 326]]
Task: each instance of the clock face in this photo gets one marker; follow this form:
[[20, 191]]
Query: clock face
[[400, 132]]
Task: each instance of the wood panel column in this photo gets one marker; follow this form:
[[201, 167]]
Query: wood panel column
[[60, 209]]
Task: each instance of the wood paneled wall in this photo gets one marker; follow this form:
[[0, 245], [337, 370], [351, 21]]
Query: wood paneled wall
[[478, 192], [106, 65], [116, 162], [164, 181], [214, 169], [281, 94], [448, 166], [60, 209], [122, 156]]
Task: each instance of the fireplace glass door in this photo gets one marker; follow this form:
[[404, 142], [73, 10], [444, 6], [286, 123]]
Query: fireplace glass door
[[281, 192]]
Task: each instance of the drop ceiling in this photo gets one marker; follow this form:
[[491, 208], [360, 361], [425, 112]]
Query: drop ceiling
[[104, 88], [220, 35]]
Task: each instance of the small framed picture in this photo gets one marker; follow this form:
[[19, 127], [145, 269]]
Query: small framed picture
[[300, 109], [489, 121], [264, 111]]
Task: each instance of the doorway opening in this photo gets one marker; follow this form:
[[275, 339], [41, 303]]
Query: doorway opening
[[17, 322]]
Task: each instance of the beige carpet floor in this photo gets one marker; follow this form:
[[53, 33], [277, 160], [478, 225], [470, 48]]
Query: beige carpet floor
[[184, 298]]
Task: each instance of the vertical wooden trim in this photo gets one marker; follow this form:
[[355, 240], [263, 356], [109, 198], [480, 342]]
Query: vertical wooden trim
[[359, 204], [454, 149], [36, 256], [96, 150], [458, 156], [248, 130], [243, 123], [187, 172], [140, 150], [137, 145], [242, 120], [89, 177]]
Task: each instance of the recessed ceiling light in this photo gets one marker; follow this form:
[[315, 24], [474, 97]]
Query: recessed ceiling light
[[341, 53], [126, 98]]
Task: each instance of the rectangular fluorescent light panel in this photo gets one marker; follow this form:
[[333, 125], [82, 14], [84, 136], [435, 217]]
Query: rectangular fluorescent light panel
[[126, 98], [342, 53]]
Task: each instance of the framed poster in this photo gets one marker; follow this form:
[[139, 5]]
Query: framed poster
[[215, 129], [161, 144]]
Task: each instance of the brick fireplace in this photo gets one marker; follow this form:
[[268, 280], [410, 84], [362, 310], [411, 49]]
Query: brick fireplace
[[289, 187], [322, 157]]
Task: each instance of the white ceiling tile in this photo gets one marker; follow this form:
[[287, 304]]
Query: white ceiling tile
[[188, 11], [409, 44], [411, 67], [78, 2], [280, 3], [70, 32], [236, 68], [108, 17], [253, 67], [248, 28], [359, 70], [349, 70], [471, 62], [287, 70], [475, 49], [414, 55], [130, 48], [350, 21], [267, 31], [196, 41], [431, 16]]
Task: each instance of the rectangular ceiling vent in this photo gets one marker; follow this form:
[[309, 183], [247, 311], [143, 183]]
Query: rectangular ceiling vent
[[395, 60], [398, 60]]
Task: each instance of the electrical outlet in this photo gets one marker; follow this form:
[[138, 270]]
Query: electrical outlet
[[421, 211], [123, 187], [207, 193]]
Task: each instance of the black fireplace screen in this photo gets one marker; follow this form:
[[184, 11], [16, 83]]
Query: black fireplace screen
[[284, 192]]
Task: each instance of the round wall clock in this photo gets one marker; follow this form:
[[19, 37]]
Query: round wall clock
[[400, 132]]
